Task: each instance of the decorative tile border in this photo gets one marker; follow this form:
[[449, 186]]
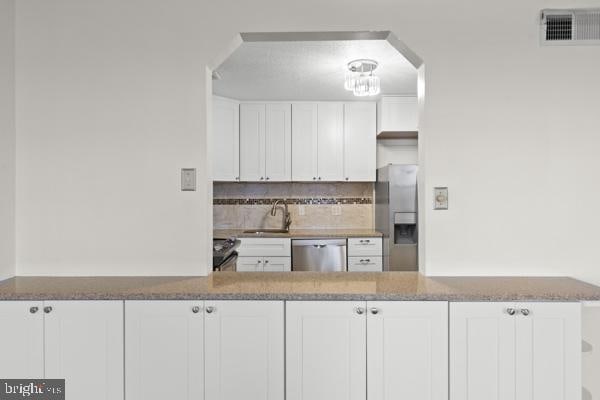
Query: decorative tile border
[[305, 201]]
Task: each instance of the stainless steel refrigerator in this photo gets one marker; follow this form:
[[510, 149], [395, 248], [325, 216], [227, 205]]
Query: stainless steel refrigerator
[[396, 216]]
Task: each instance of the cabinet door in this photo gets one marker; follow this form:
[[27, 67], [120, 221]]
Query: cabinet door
[[84, 345], [482, 351], [277, 264], [325, 350], [407, 356], [21, 340], [226, 140], [548, 351], [252, 142], [360, 142], [249, 264], [331, 141], [397, 114], [304, 142], [164, 350], [244, 350], [278, 153]]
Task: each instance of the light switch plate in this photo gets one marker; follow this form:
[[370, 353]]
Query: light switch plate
[[440, 198], [188, 179]]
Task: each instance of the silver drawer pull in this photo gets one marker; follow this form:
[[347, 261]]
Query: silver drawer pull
[[374, 310], [365, 241], [511, 311], [195, 309], [525, 311], [360, 310], [367, 261], [33, 310], [210, 309]]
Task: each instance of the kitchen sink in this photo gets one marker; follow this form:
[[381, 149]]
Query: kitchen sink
[[263, 231]]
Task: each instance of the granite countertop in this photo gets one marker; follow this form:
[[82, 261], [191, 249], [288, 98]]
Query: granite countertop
[[298, 233], [300, 286]]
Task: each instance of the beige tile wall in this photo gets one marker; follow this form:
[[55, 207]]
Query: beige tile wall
[[316, 216]]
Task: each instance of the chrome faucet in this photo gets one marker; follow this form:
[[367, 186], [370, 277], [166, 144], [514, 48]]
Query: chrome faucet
[[287, 219]]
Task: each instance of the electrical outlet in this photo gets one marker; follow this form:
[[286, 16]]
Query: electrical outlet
[[188, 179], [336, 210], [440, 198], [301, 210]]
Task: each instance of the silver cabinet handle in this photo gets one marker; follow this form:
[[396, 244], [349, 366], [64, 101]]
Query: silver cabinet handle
[[525, 311], [347, 178], [267, 178], [195, 309], [262, 178], [210, 309], [266, 261], [314, 178], [48, 309], [365, 241], [374, 310], [258, 262], [511, 311], [368, 260], [360, 310], [33, 310], [319, 178]]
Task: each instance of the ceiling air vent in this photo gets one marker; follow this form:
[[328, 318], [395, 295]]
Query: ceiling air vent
[[570, 27]]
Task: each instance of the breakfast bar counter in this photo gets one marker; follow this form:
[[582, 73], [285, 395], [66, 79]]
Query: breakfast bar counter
[[410, 286]]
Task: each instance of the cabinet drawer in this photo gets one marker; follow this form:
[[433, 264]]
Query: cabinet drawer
[[358, 247], [365, 264], [265, 247]]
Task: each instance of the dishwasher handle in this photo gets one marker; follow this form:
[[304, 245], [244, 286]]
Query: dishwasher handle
[[318, 243]]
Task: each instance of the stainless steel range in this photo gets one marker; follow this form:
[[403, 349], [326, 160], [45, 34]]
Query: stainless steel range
[[224, 254]]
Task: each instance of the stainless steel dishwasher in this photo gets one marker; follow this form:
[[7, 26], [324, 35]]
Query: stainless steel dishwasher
[[326, 255]]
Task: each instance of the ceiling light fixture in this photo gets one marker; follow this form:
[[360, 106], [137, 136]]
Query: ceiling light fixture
[[360, 78]]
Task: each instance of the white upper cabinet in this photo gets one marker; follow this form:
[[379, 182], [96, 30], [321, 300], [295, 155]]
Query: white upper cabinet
[[252, 142], [304, 142], [244, 350], [226, 139], [265, 142], [407, 350], [278, 142], [164, 355], [397, 114], [84, 345], [330, 146], [325, 350], [360, 142], [22, 340], [508, 351], [318, 141]]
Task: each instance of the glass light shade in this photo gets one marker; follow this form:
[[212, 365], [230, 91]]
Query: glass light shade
[[367, 85], [350, 81]]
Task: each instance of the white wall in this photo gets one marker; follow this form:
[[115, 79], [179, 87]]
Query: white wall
[[7, 139], [111, 104]]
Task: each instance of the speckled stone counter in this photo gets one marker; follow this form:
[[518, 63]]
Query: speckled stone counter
[[300, 286], [298, 233]]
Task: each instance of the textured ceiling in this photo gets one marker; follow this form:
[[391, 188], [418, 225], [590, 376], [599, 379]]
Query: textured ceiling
[[308, 70]]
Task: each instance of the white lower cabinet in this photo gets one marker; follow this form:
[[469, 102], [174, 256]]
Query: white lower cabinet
[[84, 346], [164, 355], [264, 264], [356, 350], [21, 339], [407, 350], [515, 351], [244, 343], [326, 353], [79, 341]]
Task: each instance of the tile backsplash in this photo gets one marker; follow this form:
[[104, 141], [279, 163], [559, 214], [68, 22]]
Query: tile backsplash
[[248, 205]]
